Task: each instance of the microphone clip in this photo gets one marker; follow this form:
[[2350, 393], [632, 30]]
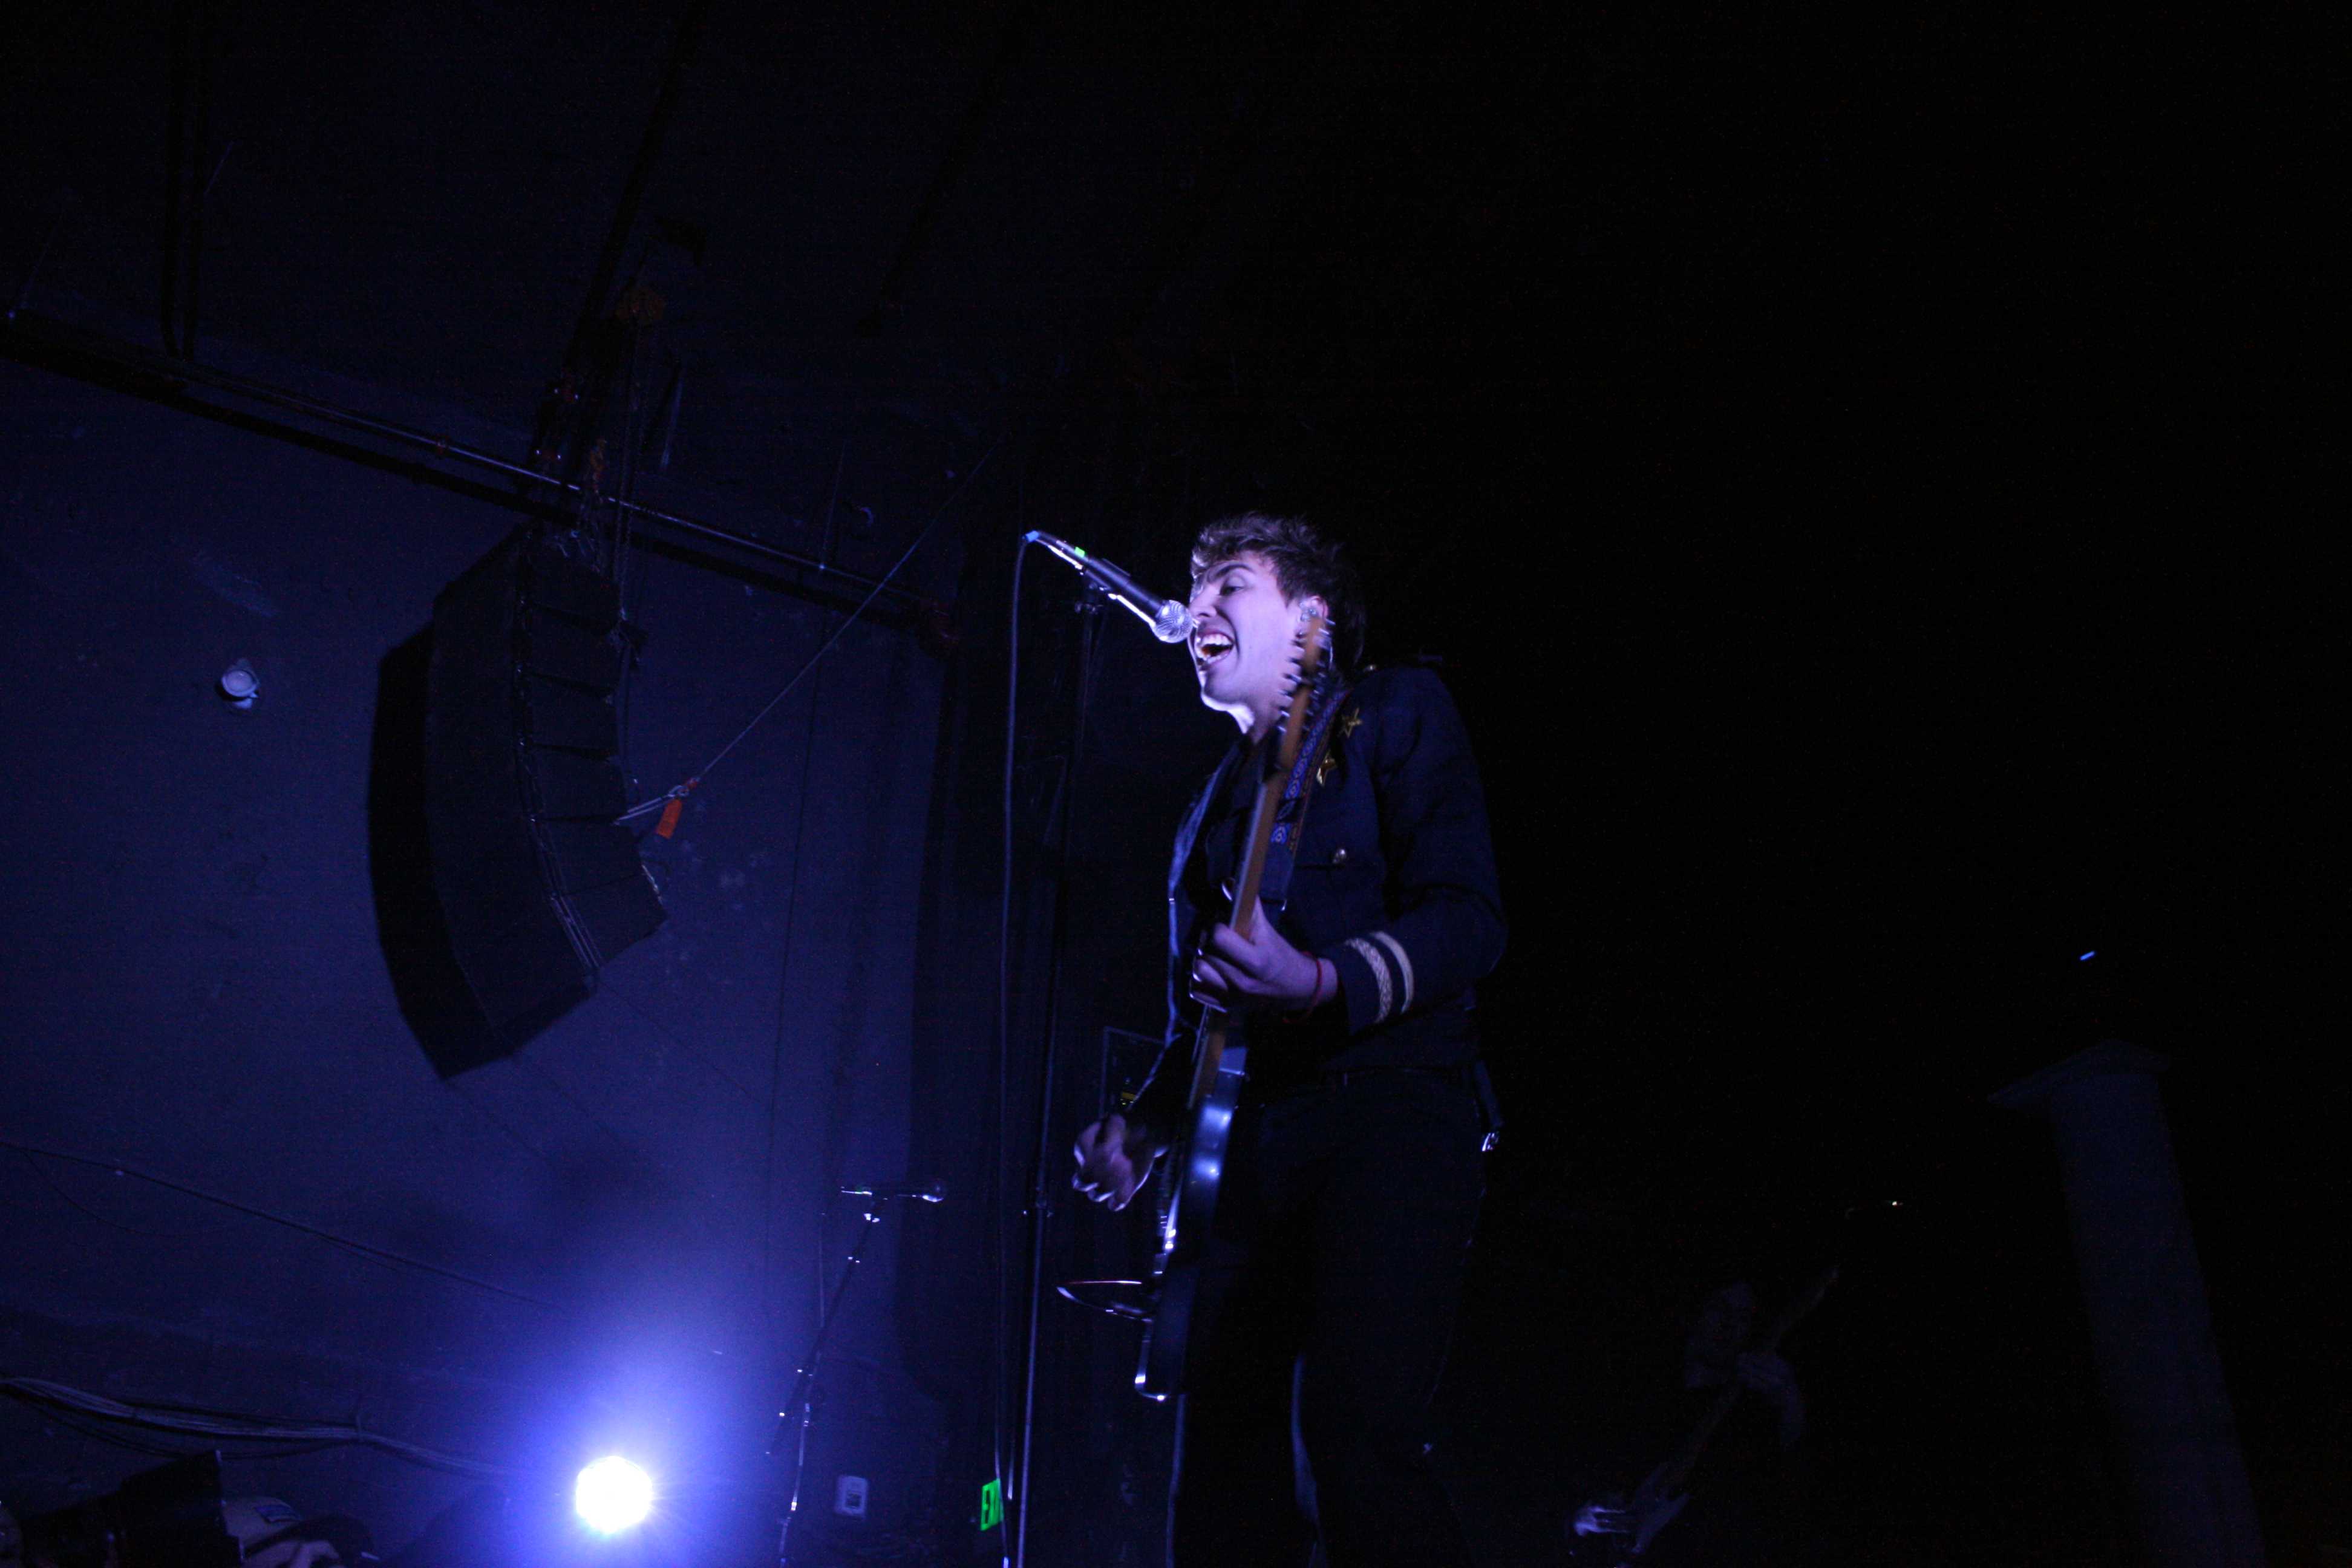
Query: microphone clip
[[1169, 621], [904, 1192]]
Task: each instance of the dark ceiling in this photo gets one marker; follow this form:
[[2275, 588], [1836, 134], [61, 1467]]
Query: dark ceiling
[[924, 203], [1300, 238], [933, 202]]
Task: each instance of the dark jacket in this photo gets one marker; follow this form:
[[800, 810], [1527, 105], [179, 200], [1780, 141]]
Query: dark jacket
[[1394, 884]]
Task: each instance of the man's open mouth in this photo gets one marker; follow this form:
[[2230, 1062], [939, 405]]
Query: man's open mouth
[[1207, 646]]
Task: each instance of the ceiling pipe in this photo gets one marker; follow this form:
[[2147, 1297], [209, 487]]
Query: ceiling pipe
[[889, 300], [598, 303], [562, 421], [187, 129], [38, 338]]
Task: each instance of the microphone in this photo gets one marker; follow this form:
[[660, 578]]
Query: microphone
[[920, 1191], [1168, 621]]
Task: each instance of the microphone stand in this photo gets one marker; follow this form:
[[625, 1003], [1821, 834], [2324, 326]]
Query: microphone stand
[[1041, 1203], [801, 1410]]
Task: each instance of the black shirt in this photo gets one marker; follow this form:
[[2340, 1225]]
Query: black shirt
[[1394, 883]]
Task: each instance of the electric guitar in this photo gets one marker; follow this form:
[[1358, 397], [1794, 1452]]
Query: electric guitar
[[1191, 1169], [1666, 1490]]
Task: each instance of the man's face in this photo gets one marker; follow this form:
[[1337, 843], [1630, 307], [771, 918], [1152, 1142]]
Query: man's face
[[1723, 1328], [1245, 641]]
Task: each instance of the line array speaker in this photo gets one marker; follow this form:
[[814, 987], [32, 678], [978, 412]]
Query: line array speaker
[[538, 885]]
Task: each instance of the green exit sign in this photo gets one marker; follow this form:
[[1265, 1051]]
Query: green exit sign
[[991, 1504]]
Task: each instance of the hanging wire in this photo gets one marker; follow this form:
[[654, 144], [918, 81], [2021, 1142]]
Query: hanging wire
[[361, 1248], [197, 1421], [1000, 1389], [67, 1199], [628, 573], [680, 792], [776, 1045]]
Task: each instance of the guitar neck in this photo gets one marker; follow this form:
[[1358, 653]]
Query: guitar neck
[[1209, 1043], [1686, 1459], [1277, 755], [1252, 874]]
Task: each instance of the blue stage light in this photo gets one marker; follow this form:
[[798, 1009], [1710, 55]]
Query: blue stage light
[[613, 1494], [2086, 958]]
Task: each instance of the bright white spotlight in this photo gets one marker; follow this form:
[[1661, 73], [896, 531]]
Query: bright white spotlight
[[613, 1494]]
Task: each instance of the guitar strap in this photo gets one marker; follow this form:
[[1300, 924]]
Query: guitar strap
[[1290, 821], [1189, 838], [1290, 815]]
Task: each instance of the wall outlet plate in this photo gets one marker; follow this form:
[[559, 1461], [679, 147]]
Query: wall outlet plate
[[849, 1496]]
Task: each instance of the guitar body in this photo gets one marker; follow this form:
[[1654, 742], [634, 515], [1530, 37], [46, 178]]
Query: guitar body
[[1653, 1508], [1622, 1534], [1184, 1235], [1663, 1493], [1196, 1166]]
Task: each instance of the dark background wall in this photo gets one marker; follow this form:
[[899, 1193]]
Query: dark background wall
[[609, 1236], [1863, 481], [1801, 814]]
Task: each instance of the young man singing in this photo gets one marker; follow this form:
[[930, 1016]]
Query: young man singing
[[1353, 1175]]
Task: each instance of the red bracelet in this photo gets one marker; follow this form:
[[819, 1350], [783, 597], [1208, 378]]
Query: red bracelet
[[1313, 997]]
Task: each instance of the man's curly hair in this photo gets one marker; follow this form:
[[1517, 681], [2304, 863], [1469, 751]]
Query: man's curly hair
[[1304, 563]]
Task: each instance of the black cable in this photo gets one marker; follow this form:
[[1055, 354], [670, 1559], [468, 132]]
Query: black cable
[[1000, 1389], [96, 1432], [680, 792], [627, 582], [191, 251], [362, 1249], [1060, 821], [769, 1296], [176, 129], [67, 1199], [692, 1051], [75, 1409], [96, 1428], [776, 1055]]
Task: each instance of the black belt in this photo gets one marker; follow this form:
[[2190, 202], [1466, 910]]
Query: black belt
[[1271, 1087], [1470, 1075]]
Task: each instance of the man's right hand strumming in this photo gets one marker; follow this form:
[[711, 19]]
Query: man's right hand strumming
[[1114, 1158]]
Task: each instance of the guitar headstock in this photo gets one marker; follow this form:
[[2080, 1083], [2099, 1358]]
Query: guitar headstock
[[1311, 671], [1806, 1298]]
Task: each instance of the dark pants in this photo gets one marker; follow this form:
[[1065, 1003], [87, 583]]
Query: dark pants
[[1328, 1294]]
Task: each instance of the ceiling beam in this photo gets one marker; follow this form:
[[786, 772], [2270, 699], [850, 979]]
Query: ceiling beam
[[88, 356]]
